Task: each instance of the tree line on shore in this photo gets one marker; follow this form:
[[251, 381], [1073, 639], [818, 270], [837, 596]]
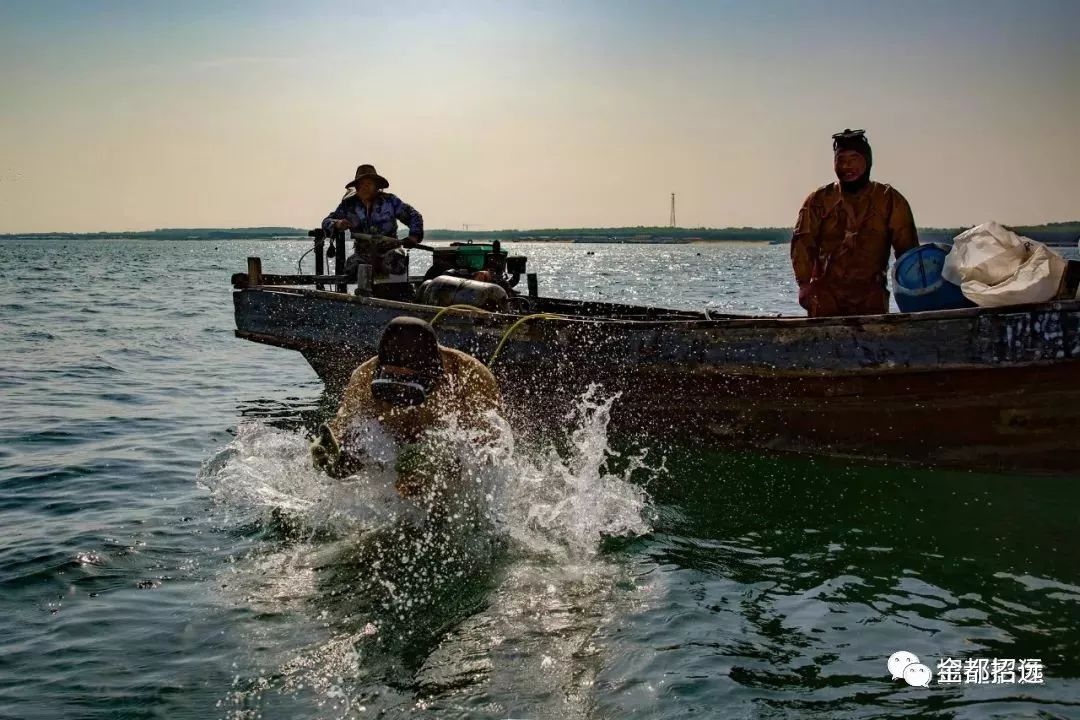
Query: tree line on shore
[[1061, 233]]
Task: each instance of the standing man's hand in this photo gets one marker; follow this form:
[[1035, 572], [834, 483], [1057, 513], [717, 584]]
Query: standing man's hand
[[411, 241], [342, 224], [806, 294]]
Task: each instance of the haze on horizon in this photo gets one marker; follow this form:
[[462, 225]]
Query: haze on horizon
[[129, 116]]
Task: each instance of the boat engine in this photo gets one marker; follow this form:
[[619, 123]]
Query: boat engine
[[468, 260]]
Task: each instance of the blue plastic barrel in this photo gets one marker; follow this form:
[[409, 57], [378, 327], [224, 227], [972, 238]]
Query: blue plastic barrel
[[917, 282]]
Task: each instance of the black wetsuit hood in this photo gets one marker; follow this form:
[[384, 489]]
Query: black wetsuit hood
[[854, 140]]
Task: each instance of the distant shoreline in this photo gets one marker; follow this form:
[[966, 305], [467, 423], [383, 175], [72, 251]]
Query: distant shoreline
[[1061, 233]]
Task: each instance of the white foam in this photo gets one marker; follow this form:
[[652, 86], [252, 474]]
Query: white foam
[[557, 497]]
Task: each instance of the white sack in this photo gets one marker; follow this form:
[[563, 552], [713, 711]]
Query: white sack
[[994, 266]]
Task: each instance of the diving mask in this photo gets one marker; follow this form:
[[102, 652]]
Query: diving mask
[[400, 390]]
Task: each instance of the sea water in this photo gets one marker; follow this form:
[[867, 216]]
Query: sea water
[[169, 550]]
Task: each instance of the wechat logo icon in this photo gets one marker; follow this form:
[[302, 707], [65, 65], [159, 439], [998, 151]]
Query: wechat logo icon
[[906, 666]]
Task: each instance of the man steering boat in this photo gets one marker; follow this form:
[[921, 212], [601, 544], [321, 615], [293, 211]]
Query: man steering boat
[[372, 215]]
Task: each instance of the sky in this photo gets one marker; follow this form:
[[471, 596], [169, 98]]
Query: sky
[[118, 115]]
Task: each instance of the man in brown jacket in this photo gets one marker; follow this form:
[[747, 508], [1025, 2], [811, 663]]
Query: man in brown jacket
[[840, 248]]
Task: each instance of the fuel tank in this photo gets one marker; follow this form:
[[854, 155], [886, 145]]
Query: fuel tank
[[447, 290]]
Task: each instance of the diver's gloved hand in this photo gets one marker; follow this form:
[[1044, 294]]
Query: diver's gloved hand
[[325, 453]]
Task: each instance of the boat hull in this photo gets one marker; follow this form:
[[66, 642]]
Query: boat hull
[[996, 389]]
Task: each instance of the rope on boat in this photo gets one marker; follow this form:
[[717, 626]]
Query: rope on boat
[[510, 331]]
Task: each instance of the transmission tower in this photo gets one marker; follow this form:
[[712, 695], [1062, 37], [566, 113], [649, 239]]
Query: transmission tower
[[672, 209]]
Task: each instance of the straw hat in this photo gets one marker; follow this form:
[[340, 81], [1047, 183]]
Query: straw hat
[[368, 171]]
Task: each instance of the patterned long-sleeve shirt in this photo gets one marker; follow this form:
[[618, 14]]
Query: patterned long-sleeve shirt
[[386, 210]]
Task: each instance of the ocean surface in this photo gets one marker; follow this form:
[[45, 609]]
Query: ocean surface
[[168, 551]]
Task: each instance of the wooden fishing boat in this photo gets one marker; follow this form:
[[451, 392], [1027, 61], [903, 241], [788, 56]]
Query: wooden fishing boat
[[995, 389]]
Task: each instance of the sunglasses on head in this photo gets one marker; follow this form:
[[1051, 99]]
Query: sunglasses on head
[[850, 135]]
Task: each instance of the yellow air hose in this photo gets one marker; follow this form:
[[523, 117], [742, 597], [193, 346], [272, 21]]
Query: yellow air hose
[[506, 335], [510, 331], [470, 308]]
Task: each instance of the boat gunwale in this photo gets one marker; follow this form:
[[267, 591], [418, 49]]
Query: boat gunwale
[[303, 346], [779, 321]]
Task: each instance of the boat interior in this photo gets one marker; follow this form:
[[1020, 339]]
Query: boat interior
[[483, 275]]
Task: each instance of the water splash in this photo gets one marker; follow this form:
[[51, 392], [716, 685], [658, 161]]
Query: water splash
[[503, 552], [562, 499], [556, 496], [265, 476]]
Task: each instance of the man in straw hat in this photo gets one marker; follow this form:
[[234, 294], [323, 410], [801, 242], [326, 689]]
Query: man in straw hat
[[840, 248], [367, 210]]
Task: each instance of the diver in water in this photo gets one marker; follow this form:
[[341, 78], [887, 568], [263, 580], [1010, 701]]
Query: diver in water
[[408, 388]]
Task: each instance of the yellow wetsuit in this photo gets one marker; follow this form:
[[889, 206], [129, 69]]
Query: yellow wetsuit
[[466, 389]]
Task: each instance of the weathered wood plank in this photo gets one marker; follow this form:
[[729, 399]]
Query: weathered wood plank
[[242, 280], [254, 266]]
